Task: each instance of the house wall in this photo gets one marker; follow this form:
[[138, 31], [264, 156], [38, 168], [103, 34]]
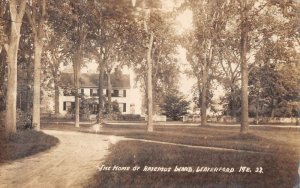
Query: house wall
[[63, 99], [128, 100]]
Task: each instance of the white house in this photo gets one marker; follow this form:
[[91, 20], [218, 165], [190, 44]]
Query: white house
[[121, 92]]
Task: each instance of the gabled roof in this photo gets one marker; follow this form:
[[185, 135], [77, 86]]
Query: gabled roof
[[87, 80]]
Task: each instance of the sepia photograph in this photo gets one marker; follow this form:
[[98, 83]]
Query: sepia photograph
[[150, 93]]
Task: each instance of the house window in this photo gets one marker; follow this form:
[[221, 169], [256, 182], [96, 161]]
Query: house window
[[115, 93], [82, 91], [68, 105], [122, 107], [132, 108], [68, 92], [94, 108], [118, 93], [93, 92]]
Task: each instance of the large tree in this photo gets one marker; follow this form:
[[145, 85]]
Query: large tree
[[73, 18], [165, 70], [3, 41], [57, 53], [36, 13], [255, 19], [111, 21], [209, 22], [17, 11], [157, 47]]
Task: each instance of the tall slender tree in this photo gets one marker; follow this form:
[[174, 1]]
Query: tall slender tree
[[17, 11], [255, 19], [73, 18], [57, 53], [36, 13], [209, 21], [112, 20]]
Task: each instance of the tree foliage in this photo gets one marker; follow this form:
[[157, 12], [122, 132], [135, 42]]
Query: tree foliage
[[203, 44], [175, 106], [276, 87]]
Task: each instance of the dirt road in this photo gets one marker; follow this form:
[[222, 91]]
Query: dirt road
[[69, 164]]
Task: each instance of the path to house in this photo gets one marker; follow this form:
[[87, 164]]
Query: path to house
[[69, 164]]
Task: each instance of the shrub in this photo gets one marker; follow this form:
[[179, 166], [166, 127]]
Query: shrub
[[84, 109], [175, 106], [70, 113], [2, 118], [24, 120], [129, 117], [114, 107], [123, 117], [112, 116]]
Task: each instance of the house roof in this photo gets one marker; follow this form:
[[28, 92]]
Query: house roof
[[118, 81]]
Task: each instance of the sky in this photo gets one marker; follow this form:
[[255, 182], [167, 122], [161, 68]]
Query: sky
[[184, 23]]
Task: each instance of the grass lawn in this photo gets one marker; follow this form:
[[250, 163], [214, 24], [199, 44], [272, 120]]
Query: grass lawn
[[278, 170], [262, 139], [25, 143], [278, 156]]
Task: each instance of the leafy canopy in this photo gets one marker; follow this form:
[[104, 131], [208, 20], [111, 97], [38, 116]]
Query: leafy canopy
[[175, 106]]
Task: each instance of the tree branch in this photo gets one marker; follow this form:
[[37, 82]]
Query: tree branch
[[31, 18]]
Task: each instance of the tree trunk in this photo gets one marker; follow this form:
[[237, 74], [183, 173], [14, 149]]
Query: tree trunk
[[257, 108], [11, 92], [204, 97], [145, 97], [37, 22], [200, 92], [56, 97], [38, 48], [233, 102], [109, 88], [273, 106], [149, 85], [100, 93], [28, 88], [272, 113], [244, 70], [205, 72], [76, 82]]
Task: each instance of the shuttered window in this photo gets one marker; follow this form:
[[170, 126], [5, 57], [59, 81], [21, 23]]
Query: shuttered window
[[124, 107], [68, 105]]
